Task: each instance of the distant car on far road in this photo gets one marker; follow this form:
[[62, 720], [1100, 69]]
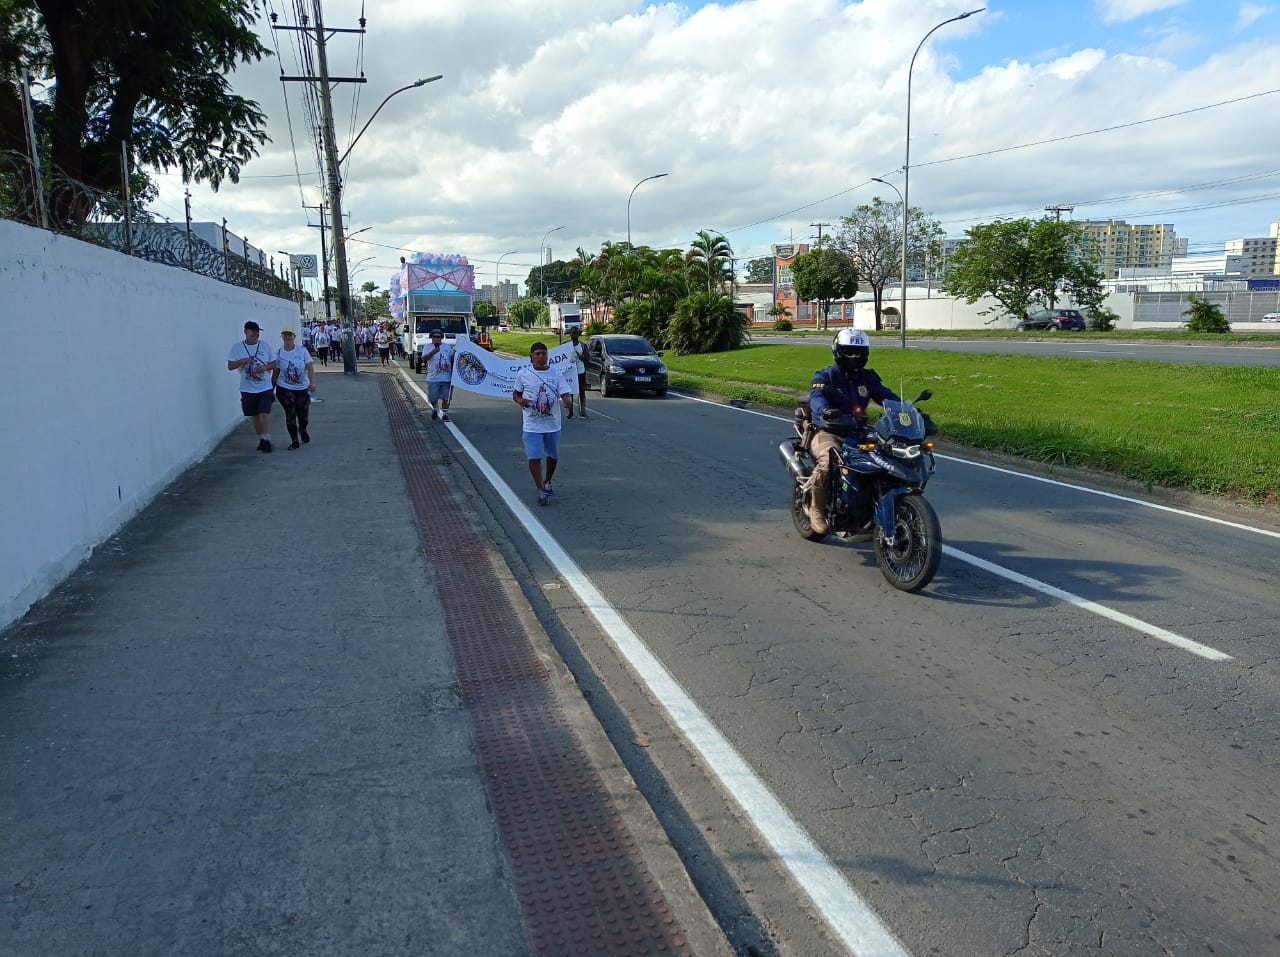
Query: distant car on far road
[[1053, 320], [1271, 317], [504, 327]]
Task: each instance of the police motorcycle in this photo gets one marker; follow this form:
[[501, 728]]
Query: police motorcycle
[[878, 488]]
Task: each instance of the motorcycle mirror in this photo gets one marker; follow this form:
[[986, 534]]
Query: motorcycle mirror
[[926, 394]]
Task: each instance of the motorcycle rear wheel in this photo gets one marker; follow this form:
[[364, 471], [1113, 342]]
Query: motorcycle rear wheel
[[800, 513], [917, 550]]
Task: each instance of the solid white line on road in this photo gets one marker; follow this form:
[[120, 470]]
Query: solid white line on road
[[1039, 478], [841, 907], [1137, 624]]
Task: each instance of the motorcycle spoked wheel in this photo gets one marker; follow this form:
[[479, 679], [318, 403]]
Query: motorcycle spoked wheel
[[800, 513], [913, 560]]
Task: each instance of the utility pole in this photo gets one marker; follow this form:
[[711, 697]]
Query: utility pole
[[1058, 211], [820, 227], [324, 82]]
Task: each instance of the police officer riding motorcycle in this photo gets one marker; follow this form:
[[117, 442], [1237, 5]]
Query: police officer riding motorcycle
[[838, 398]]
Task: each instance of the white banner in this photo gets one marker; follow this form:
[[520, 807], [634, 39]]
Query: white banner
[[479, 370]]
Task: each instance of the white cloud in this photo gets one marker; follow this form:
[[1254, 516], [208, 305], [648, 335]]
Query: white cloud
[[1121, 11], [1250, 13], [550, 117]]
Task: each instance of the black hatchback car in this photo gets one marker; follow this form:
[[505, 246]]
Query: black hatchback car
[[618, 363], [1053, 320]]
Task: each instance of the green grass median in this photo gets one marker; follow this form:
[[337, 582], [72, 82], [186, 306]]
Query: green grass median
[[1210, 429]]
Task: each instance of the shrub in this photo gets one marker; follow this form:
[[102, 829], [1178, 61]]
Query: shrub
[[1205, 316], [706, 322], [1102, 319], [596, 327], [641, 319], [782, 324]]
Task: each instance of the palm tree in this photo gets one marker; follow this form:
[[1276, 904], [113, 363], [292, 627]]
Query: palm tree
[[710, 258]]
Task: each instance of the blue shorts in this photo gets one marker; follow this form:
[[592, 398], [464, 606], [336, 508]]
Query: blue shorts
[[439, 392], [256, 403], [540, 445]]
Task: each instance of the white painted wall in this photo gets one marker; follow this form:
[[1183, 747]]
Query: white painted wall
[[114, 382], [941, 313]]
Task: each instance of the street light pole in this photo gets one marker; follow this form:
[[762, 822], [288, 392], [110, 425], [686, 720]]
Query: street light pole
[[496, 293], [633, 192], [413, 85], [903, 292], [542, 263], [906, 169]]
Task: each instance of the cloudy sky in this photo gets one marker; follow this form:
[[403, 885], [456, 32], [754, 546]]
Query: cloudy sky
[[769, 116]]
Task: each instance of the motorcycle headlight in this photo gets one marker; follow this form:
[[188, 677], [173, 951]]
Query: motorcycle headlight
[[908, 452]]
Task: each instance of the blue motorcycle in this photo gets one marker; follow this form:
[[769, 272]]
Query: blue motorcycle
[[877, 490]]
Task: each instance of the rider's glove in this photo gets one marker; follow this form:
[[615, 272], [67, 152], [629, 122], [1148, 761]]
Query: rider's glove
[[831, 415]]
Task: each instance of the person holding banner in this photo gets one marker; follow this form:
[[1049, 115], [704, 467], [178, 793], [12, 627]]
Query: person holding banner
[[540, 391], [438, 361]]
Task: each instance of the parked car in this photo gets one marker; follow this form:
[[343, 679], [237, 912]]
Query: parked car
[[1053, 320], [504, 327], [1271, 317], [617, 363]]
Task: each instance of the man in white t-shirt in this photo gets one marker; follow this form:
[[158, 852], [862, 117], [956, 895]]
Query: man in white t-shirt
[[294, 377], [322, 345], [578, 361], [540, 391], [437, 359], [255, 360], [382, 339]]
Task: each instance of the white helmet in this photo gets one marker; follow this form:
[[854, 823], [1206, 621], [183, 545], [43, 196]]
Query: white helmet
[[851, 348]]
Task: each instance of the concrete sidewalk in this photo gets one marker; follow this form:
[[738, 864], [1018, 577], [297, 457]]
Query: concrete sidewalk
[[239, 727]]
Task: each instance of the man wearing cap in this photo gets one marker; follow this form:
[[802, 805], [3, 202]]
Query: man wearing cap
[[255, 361], [540, 391], [294, 378], [437, 359]]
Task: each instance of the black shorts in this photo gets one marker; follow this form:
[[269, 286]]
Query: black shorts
[[256, 403], [384, 351]]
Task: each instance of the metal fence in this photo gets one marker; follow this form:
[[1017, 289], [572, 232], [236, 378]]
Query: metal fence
[[1237, 305], [49, 200]]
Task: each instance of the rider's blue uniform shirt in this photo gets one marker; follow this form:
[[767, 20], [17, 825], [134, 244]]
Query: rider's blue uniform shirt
[[832, 389]]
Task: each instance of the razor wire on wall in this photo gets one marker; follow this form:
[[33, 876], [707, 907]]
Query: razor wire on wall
[[49, 200]]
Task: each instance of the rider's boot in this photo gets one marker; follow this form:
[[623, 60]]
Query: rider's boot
[[818, 508]]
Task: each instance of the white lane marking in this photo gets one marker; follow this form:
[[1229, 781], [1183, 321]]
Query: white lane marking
[[845, 912], [1137, 624], [1040, 478]]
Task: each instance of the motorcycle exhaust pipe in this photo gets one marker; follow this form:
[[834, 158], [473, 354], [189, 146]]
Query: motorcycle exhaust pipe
[[799, 471]]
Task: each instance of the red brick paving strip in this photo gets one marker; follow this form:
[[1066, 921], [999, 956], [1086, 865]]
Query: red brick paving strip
[[581, 883]]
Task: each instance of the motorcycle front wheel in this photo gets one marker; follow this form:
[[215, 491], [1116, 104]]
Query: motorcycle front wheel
[[912, 561], [800, 513]]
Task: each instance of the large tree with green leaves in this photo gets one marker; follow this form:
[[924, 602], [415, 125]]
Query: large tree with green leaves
[[1023, 263], [872, 236], [760, 270], [141, 74], [823, 275]]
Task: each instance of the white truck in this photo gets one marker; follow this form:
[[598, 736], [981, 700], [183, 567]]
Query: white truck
[[564, 316]]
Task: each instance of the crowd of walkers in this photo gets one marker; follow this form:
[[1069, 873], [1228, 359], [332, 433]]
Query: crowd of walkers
[[372, 340]]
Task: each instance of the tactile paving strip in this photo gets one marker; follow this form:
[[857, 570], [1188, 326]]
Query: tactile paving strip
[[582, 886]]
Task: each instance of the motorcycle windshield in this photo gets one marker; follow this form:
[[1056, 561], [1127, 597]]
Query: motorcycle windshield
[[900, 420]]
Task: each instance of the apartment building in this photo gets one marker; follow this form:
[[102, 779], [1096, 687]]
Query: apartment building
[[1116, 244], [1257, 255]]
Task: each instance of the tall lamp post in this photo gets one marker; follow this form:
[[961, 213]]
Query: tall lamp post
[[542, 262], [633, 192], [496, 294], [903, 302], [906, 169]]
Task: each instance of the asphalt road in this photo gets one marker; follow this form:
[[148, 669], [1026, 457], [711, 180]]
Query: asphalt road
[[1190, 352], [992, 767]]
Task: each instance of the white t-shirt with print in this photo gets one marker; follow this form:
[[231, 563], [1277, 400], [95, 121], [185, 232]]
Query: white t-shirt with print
[[292, 364], [575, 357], [254, 376], [542, 388], [440, 365]]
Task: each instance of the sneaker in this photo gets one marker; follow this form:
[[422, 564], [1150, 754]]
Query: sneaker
[[571, 415], [584, 416], [264, 445], [444, 417], [305, 436], [547, 489], [434, 415], [544, 498], [294, 445]]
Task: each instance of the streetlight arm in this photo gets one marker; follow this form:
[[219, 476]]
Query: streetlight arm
[[632, 193], [416, 83]]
